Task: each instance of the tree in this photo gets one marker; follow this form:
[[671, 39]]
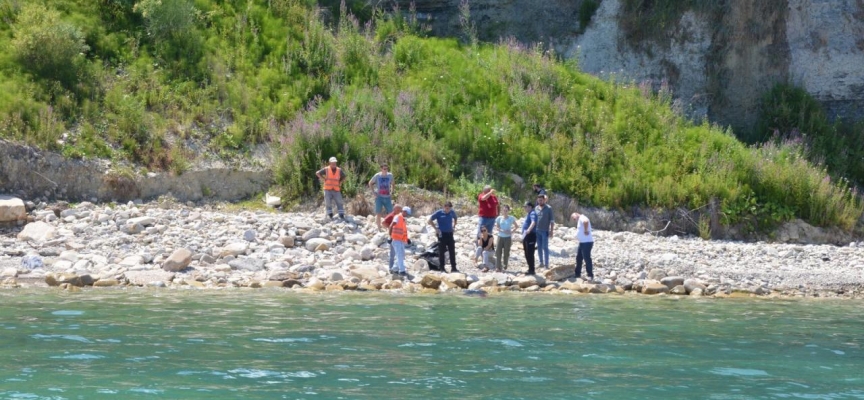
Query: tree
[[48, 47]]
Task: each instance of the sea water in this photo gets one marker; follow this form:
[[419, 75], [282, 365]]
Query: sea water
[[262, 344]]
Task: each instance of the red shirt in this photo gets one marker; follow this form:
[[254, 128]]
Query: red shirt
[[388, 219], [488, 208]]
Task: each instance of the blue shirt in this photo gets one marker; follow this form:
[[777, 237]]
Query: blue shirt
[[532, 217], [444, 220]]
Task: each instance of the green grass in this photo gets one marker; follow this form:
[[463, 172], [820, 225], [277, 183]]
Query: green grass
[[272, 72]]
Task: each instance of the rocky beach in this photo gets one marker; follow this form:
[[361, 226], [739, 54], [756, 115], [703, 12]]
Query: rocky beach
[[211, 246]]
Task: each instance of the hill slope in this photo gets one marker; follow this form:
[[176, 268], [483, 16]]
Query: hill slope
[[161, 83]]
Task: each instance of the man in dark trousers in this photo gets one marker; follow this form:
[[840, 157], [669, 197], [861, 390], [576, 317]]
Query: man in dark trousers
[[445, 224], [529, 236]]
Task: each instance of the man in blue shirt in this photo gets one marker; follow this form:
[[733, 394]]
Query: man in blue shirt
[[446, 225], [529, 236]]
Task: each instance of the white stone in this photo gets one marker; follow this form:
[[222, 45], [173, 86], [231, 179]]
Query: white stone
[[38, 232], [12, 209]]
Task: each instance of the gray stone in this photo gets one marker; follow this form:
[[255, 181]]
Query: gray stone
[[143, 278], [318, 244], [656, 274], [179, 259], [311, 234], [366, 272], [693, 284], [250, 235], [37, 232], [654, 287], [234, 249], [672, 281], [678, 290], [247, 264]]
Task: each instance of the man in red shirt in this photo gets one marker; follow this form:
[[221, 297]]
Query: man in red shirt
[[488, 209]]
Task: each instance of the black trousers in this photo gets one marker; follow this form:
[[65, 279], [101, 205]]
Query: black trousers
[[446, 241], [584, 253], [529, 243]]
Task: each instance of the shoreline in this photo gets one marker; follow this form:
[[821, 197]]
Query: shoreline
[[176, 246]]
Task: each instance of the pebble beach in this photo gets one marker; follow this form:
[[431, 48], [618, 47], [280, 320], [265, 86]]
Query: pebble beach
[[156, 245]]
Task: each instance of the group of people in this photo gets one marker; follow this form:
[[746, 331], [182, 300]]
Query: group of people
[[537, 229]]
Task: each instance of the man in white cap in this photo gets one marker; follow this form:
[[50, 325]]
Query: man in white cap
[[399, 237], [332, 178]]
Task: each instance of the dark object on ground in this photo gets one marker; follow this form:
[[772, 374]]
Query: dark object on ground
[[431, 257]]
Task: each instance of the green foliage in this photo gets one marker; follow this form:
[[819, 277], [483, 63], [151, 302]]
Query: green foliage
[[586, 12], [790, 114], [167, 19], [650, 20], [47, 46]]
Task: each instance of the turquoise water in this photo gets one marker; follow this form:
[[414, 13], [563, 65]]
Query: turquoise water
[[143, 344]]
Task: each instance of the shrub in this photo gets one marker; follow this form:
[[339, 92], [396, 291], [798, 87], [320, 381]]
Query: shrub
[[47, 46]]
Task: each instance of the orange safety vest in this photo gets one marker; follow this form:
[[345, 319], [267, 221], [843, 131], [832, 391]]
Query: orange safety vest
[[400, 230], [331, 180]]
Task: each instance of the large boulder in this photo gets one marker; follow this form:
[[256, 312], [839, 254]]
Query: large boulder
[[12, 209], [693, 284], [560, 273], [431, 281], [37, 232], [672, 281], [178, 260], [457, 279], [654, 287]]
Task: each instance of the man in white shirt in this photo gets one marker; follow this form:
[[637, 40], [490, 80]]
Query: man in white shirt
[[586, 243]]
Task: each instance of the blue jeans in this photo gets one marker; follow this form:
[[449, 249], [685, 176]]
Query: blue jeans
[[543, 248], [584, 253], [392, 256], [399, 249], [488, 223]]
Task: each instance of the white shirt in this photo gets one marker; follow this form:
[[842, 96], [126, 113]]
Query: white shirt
[[580, 230]]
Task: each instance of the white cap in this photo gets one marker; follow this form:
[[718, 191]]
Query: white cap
[[333, 159], [406, 210]]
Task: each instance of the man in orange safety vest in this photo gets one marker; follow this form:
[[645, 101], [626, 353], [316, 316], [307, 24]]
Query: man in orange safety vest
[[332, 178]]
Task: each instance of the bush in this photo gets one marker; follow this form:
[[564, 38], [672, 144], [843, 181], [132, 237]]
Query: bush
[[47, 46]]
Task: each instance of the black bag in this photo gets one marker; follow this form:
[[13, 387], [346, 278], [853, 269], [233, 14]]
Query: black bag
[[431, 257]]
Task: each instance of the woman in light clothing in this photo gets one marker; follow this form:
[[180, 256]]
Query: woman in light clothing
[[504, 224], [586, 243]]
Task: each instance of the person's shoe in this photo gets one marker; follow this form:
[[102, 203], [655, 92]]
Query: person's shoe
[[330, 216], [453, 270], [403, 273], [342, 216]]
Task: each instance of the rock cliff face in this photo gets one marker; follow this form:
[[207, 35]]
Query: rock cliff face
[[718, 64]]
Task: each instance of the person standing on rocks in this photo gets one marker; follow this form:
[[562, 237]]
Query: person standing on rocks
[[399, 237], [388, 220], [332, 178], [545, 229], [586, 243], [504, 225], [382, 185], [529, 235], [444, 223], [488, 209]]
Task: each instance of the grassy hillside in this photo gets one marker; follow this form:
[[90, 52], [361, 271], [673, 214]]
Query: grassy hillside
[[149, 81]]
